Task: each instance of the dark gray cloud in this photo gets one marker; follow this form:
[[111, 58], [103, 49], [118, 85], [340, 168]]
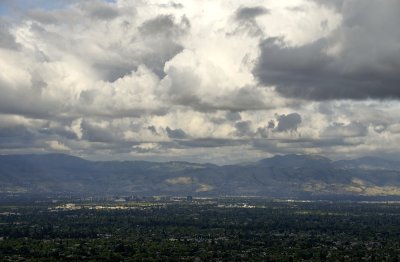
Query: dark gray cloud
[[334, 4], [164, 50], [94, 133], [175, 133], [289, 122], [16, 136], [162, 34], [329, 143], [7, 40], [246, 13], [296, 72], [153, 130], [327, 146], [101, 10], [230, 116], [58, 131], [243, 128], [365, 64], [319, 143], [165, 25], [271, 124], [243, 99], [246, 18], [42, 16], [114, 71], [34, 105], [212, 142], [233, 116], [264, 131]]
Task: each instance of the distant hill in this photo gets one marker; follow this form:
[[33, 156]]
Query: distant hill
[[279, 176]]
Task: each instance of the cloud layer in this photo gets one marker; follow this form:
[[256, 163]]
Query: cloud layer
[[199, 80]]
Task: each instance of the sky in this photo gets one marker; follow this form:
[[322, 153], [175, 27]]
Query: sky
[[203, 81]]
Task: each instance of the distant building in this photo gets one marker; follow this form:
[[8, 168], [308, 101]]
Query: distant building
[[189, 198]]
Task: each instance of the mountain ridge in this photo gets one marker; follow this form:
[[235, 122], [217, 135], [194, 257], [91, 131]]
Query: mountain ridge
[[277, 176]]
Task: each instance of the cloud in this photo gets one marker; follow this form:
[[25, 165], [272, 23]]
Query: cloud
[[246, 19], [146, 147], [271, 124], [246, 13], [353, 129], [100, 10], [7, 40], [265, 130], [199, 80], [243, 128], [211, 142], [289, 122], [175, 133], [17, 136], [172, 5], [58, 146], [335, 4], [153, 130], [97, 133], [358, 60], [133, 95], [161, 34], [380, 128], [61, 130], [165, 25], [194, 81], [233, 116]]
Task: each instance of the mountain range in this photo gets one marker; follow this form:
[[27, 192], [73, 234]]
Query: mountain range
[[278, 176]]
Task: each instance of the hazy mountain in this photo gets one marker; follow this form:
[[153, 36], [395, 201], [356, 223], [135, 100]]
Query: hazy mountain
[[280, 176]]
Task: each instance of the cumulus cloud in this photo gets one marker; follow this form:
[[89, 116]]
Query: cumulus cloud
[[243, 128], [265, 130], [289, 122], [233, 116], [198, 80], [176, 133]]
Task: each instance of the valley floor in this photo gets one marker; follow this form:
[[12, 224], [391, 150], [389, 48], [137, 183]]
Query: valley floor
[[208, 229]]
